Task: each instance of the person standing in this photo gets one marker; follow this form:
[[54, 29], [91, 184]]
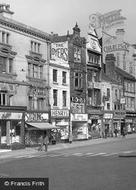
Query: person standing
[[46, 141]]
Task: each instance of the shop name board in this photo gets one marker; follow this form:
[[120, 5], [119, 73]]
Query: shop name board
[[59, 51], [130, 114], [59, 113], [77, 99], [119, 115], [36, 117], [77, 108], [108, 116], [10, 115], [115, 47], [79, 117]]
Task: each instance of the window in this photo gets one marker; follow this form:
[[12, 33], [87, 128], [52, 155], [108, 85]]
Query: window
[[108, 106], [64, 77], [108, 92], [40, 103], [54, 75], [55, 94], [116, 94], [77, 54], [6, 65], [5, 37], [3, 98], [10, 65], [35, 47], [118, 59], [35, 71], [78, 80], [124, 61], [64, 94], [31, 103]]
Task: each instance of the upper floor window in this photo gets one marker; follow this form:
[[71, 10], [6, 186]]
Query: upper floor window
[[116, 94], [40, 103], [35, 47], [108, 106], [64, 74], [108, 92], [35, 71], [124, 61], [64, 94], [6, 65], [55, 72], [5, 37], [3, 98], [77, 54], [118, 59], [78, 80], [55, 97]]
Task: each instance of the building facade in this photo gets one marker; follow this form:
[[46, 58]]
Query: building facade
[[59, 78], [93, 64], [24, 82]]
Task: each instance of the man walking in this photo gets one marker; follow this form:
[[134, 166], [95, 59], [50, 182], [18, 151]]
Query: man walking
[[46, 141]]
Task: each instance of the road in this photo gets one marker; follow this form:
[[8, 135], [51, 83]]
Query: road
[[95, 167]]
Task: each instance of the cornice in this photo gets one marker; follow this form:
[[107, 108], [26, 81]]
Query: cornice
[[23, 28]]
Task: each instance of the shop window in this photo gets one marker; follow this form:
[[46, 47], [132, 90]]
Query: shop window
[[54, 75], [64, 74], [55, 97], [3, 127]]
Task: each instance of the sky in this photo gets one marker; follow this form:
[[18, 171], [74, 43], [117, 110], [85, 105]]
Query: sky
[[59, 16]]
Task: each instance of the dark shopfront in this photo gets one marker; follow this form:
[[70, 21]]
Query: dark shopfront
[[130, 121], [12, 126]]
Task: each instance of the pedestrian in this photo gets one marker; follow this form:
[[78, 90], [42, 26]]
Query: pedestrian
[[116, 132], [41, 143], [46, 141]]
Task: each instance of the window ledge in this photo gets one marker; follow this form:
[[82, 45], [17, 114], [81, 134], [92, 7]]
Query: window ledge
[[55, 83], [64, 84]]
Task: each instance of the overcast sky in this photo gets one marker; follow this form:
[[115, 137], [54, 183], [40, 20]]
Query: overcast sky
[[58, 16]]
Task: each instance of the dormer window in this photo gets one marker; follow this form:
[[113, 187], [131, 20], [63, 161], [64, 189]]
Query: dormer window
[[35, 47]]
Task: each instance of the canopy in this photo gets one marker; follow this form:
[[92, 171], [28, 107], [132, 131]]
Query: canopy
[[41, 126]]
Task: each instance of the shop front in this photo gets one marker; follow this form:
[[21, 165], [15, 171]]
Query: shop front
[[108, 123], [79, 126], [130, 121], [119, 121], [35, 123], [95, 123], [60, 119], [12, 125]]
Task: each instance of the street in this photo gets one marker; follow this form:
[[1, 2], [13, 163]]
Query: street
[[95, 167]]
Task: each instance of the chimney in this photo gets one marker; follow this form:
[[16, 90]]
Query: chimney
[[120, 33], [5, 11], [110, 65]]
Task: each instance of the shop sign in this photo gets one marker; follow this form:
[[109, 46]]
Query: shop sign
[[128, 120], [130, 114], [59, 113], [122, 101], [79, 117], [10, 115], [108, 116], [77, 108], [59, 52], [119, 115], [76, 99], [36, 117], [96, 85]]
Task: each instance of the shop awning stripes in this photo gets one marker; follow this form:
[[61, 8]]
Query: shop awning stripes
[[40, 126]]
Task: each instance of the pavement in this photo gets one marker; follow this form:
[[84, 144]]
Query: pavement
[[61, 146]]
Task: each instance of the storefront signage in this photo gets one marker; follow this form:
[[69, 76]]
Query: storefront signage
[[115, 47], [79, 117], [60, 113], [96, 85], [130, 114], [122, 100], [119, 115], [77, 99], [36, 117], [108, 116], [10, 115], [77, 108], [128, 120], [59, 52], [107, 20]]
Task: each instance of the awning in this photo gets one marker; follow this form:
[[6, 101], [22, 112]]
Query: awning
[[40, 126]]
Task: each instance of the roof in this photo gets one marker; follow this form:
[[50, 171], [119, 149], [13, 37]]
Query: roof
[[40, 126], [106, 78], [124, 74]]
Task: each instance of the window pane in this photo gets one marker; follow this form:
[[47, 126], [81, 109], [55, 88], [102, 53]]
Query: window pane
[[64, 77], [55, 97], [64, 98], [54, 75]]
